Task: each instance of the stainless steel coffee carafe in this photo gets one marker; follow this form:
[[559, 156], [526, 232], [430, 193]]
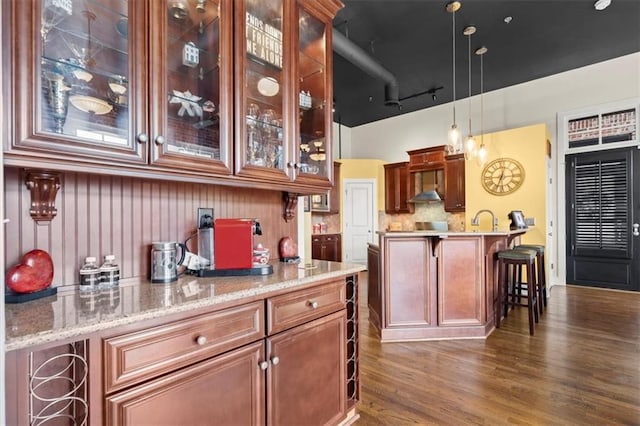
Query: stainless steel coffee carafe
[[164, 266]]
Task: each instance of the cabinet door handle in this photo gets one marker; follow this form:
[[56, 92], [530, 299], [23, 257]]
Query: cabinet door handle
[[314, 304], [263, 365], [275, 360], [142, 138], [291, 164], [160, 140], [636, 229], [201, 340]]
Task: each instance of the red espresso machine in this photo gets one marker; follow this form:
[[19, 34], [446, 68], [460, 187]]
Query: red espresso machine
[[233, 242], [233, 247]]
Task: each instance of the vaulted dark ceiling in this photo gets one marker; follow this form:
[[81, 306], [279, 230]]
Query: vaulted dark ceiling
[[412, 39]]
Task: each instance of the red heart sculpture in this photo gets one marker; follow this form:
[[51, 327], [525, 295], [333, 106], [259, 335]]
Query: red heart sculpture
[[33, 273]]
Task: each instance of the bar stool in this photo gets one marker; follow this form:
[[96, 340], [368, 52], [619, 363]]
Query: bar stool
[[508, 288], [541, 279]]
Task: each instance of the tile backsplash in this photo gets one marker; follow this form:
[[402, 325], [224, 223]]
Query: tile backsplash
[[424, 212]]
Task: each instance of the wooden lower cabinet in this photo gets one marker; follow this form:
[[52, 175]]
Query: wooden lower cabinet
[[225, 390], [461, 291], [230, 389], [326, 247], [289, 358], [411, 290], [374, 286], [433, 286], [293, 373], [306, 377]]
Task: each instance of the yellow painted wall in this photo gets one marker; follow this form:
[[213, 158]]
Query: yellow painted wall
[[364, 169], [527, 145]]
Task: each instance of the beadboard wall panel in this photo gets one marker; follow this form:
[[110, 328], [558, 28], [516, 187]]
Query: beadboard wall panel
[[100, 215]]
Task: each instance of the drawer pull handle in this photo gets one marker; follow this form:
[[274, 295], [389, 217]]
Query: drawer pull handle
[[275, 360], [264, 365], [314, 305], [201, 340]]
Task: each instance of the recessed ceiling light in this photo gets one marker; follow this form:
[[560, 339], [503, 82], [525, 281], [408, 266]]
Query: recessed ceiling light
[[601, 4], [508, 19]]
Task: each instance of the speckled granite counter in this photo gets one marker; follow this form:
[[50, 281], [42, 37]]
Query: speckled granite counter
[[445, 234], [72, 313]]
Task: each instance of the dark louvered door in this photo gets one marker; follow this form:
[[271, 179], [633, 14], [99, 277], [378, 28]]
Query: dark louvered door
[[603, 211]]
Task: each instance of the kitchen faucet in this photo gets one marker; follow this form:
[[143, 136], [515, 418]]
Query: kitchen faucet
[[476, 222]]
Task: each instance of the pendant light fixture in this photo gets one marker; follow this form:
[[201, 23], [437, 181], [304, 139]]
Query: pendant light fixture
[[482, 151], [454, 132], [470, 142]]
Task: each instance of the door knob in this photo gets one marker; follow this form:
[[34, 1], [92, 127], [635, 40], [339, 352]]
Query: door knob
[[636, 230], [142, 138]]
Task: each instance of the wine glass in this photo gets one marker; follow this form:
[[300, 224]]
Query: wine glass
[[253, 137], [58, 99], [52, 15], [267, 119]]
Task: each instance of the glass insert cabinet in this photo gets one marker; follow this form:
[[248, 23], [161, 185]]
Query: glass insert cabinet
[[226, 87], [283, 101]]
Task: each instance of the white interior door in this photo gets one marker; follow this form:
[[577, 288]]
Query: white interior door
[[358, 218]]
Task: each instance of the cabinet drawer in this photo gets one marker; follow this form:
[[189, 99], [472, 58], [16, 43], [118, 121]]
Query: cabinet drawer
[[138, 356], [289, 310]]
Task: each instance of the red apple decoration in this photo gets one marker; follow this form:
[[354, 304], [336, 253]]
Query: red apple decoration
[[287, 247], [33, 273]]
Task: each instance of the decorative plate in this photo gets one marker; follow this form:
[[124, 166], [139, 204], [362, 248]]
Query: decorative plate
[[268, 86], [90, 104]]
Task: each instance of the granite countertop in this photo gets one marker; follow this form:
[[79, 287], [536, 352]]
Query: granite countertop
[[73, 313], [445, 234]]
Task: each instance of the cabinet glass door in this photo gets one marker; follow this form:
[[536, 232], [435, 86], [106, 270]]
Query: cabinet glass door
[[190, 75], [314, 109], [72, 77], [261, 89]]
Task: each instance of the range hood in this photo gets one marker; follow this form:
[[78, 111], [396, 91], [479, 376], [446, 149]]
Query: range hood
[[430, 196]]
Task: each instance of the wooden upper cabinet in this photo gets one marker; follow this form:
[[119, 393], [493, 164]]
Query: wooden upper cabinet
[[334, 193], [399, 188], [284, 90], [121, 82], [454, 183], [209, 88], [190, 78], [427, 159], [73, 78]]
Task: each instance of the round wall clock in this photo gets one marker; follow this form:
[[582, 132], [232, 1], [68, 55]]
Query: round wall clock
[[502, 176]]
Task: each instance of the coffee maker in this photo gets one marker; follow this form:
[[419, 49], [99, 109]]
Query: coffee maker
[[233, 243]]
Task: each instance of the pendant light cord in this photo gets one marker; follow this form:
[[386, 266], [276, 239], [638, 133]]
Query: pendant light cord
[[453, 38], [469, 36], [481, 100]]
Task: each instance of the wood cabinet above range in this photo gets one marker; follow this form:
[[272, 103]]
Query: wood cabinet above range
[[426, 159], [399, 187]]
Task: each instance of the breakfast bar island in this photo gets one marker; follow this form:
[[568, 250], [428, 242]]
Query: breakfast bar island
[[430, 285]]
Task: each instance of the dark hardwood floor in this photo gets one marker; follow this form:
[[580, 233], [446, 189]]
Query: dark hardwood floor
[[582, 367]]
